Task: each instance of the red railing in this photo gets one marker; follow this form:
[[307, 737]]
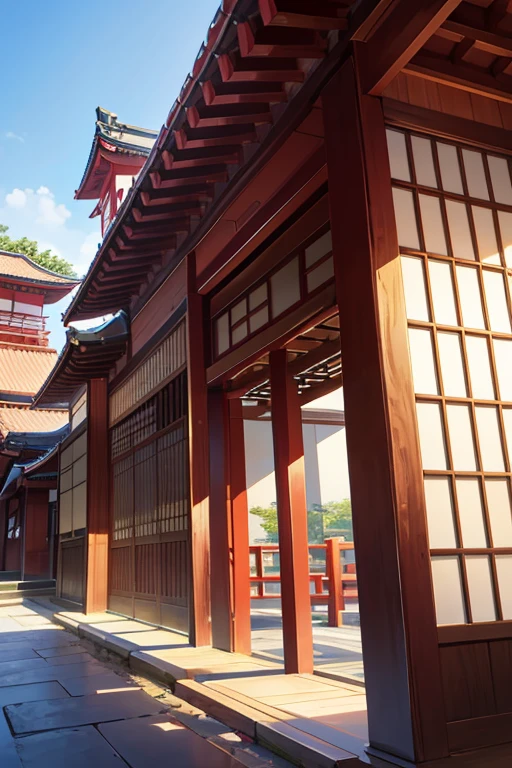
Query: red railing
[[332, 586]]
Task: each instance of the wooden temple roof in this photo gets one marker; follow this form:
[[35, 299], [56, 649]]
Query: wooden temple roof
[[23, 369], [261, 68], [22, 419], [18, 269], [86, 355], [114, 143]]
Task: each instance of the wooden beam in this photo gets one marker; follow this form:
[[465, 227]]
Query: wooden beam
[[318, 355], [492, 42], [241, 572], [406, 28], [199, 592], [291, 517], [319, 390], [98, 484], [467, 78], [487, 137], [403, 679], [316, 14]]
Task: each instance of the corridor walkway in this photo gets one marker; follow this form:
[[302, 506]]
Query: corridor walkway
[[61, 706]]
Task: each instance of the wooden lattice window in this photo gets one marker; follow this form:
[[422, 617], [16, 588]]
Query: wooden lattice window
[[296, 278], [453, 206]]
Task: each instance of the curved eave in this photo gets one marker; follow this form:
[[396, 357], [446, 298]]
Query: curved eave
[[86, 355], [54, 290], [35, 441], [38, 464], [226, 112]]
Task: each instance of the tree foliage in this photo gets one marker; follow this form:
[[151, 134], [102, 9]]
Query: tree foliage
[[30, 248], [332, 519]]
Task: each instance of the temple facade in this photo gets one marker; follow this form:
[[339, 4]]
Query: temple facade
[[328, 205], [25, 361]]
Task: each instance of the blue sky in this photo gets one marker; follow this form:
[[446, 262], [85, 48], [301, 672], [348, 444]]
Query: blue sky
[[61, 60]]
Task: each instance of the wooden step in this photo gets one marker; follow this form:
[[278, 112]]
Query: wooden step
[[267, 725]]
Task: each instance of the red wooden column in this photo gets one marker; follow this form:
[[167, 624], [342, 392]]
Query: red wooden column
[[291, 517], [402, 672], [98, 472], [241, 572], [229, 526], [220, 523], [198, 439]]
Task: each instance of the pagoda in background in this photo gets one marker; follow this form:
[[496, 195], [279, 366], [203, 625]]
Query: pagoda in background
[[26, 359], [117, 154]]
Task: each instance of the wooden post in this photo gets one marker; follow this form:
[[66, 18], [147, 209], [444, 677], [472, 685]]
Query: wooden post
[[240, 531], [336, 602], [198, 439], [402, 671], [98, 482], [220, 523], [259, 571], [291, 517]]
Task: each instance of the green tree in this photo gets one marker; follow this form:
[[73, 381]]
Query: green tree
[[30, 248], [331, 519]]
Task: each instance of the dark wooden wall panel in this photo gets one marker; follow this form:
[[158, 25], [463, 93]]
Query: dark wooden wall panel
[[158, 309], [71, 570], [121, 570], [501, 665], [467, 681]]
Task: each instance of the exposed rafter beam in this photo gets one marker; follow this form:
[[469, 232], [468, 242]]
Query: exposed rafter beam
[[461, 75], [492, 42], [308, 14], [399, 37]]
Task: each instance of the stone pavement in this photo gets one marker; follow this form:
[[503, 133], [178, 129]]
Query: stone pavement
[[62, 706]]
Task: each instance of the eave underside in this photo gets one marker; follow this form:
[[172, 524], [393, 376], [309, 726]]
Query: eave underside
[[248, 81]]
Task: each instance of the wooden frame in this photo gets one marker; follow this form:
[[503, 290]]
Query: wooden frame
[[403, 676]]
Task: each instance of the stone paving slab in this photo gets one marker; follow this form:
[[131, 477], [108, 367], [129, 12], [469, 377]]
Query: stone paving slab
[[8, 755], [51, 635], [14, 654], [102, 683], [160, 741], [50, 673], [20, 665], [64, 650], [75, 658], [86, 710], [16, 694], [78, 747]]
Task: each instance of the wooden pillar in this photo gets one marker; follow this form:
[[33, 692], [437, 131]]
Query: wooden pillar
[[291, 517], [198, 440], [241, 571], [229, 526], [403, 681], [98, 472], [220, 523]]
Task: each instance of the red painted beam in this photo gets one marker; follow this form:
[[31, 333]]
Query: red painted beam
[[199, 192], [280, 42], [406, 28], [167, 212], [215, 137], [203, 116], [234, 68], [216, 94], [192, 158], [306, 14], [207, 175]]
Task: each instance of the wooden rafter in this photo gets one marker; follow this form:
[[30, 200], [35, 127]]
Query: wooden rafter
[[398, 38]]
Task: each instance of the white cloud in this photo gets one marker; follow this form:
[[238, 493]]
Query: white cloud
[[39, 215], [41, 203], [12, 135], [17, 198]]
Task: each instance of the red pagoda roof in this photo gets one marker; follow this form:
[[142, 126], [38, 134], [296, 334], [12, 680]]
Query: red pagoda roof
[[19, 269], [114, 143]]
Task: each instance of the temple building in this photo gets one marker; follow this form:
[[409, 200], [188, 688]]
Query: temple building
[[117, 154], [326, 212], [25, 361]]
